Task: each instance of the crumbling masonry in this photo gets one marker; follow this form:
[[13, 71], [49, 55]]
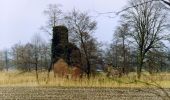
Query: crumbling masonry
[[61, 48]]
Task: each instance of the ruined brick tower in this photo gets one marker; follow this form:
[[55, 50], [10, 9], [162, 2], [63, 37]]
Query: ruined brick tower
[[61, 48], [59, 43]]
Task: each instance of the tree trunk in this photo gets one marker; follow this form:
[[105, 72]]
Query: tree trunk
[[124, 57], [87, 59], [49, 69], [139, 68], [6, 60], [116, 60], [51, 63], [88, 69], [36, 71]]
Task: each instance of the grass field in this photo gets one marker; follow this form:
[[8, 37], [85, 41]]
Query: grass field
[[19, 85], [160, 80]]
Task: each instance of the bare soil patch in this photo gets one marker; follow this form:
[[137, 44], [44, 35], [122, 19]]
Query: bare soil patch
[[64, 93]]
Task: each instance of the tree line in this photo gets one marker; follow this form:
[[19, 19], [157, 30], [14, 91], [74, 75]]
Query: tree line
[[139, 41]]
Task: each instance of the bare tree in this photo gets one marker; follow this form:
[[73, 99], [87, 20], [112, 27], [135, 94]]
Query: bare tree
[[156, 60], [2, 64], [19, 61], [45, 55], [5, 60], [37, 43], [22, 56], [53, 12], [28, 56], [31, 56], [6, 54], [81, 26], [94, 53], [121, 34], [147, 23]]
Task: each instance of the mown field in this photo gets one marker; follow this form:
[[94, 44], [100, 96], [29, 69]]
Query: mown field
[[67, 93], [21, 85]]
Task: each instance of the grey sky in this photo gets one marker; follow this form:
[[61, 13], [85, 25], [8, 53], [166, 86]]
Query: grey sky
[[20, 19]]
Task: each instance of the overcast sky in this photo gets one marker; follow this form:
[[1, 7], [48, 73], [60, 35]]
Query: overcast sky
[[20, 19]]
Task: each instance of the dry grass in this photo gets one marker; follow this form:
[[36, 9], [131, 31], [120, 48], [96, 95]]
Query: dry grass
[[130, 81]]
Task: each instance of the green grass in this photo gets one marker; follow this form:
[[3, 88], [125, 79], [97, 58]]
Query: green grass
[[28, 79]]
